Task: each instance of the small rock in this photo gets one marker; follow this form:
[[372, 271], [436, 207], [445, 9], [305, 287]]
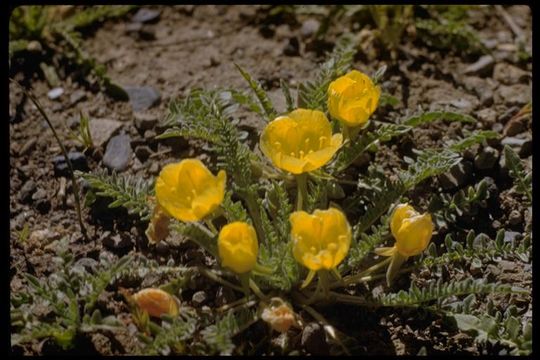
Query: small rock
[[497, 127], [509, 74], [482, 66], [146, 16], [150, 135], [518, 94], [40, 194], [199, 298], [508, 114], [309, 27], [362, 160], [73, 122], [28, 146], [314, 340], [488, 116], [142, 97], [162, 248], [34, 46], [77, 96], [515, 218], [513, 141], [55, 93], [102, 130], [514, 127], [26, 192], [486, 158], [144, 121], [292, 48], [143, 152], [118, 153], [77, 159], [494, 270], [507, 266]]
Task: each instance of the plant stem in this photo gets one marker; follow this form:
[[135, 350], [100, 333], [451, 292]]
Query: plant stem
[[64, 152], [253, 210], [324, 281], [209, 274], [301, 184], [211, 226], [256, 290], [351, 279]]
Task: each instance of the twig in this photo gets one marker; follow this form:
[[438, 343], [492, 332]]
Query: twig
[[510, 22], [64, 152]]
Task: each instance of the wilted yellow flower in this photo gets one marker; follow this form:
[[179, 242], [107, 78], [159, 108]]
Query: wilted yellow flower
[[188, 191], [279, 315], [238, 247], [158, 228], [352, 98], [320, 240], [300, 142], [156, 302]]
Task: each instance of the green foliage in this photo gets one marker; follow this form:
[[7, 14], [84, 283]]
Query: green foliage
[[69, 295], [363, 244], [428, 163], [287, 94], [126, 191], [476, 137], [84, 136], [391, 21], [523, 181], [312, 94], [439, 290], [259, 92]]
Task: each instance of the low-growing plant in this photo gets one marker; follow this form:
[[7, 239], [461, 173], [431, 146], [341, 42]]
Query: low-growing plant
[[292, 240]]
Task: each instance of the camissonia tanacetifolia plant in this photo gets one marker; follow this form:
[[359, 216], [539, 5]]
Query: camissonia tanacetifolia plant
[[286, 257]]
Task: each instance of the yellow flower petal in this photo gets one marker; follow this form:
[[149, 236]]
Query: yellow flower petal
[[290, 141], [411, 230], [238, 247], [320, 240], [188, 191]]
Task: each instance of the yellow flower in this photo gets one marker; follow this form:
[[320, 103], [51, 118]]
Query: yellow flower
[[156, 302], [188, 191], [238, 247], [352, 98], [412, 232], [300, 142], [279, 315], [320, 240]]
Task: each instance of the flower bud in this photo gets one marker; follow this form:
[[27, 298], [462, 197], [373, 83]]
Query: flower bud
[[156, 302], [411, 230], [238, 247]]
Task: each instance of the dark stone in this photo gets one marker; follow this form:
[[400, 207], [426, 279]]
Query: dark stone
[[292, 48], [509, 74], [77, 159], [314, 340], [163, 248], [118, 153], [526, 149], [457, 176], [142, 97], [26, 192], [145, 121], [146, 16], [143, 152], [515, 218], [486, 158], [116, 242]]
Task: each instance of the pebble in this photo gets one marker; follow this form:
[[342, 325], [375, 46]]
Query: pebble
[[154, 168], [517, 94], [146, 16], [77, 159], [26, 192], [142, 97], [143, 152], [55, 93], [102, 130], [514, 127], [513, 141], [309, 27], [149, 135], [77, 96], [40, 194], [486, 158], [162, 248], [199, 298], [314, 340], [133, 27], [509, 74], [118, 153], [292, 48], [526, 149], [488, 116], [515, 218], [482, 66], [144, 121]]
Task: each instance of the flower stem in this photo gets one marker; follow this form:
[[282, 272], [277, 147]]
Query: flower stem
[[253, 209], [211, 226], [301, 183], [209, 274], [361, 277], [324, 281]]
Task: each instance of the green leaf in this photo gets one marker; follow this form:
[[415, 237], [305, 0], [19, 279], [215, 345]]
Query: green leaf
[[261, 95]]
